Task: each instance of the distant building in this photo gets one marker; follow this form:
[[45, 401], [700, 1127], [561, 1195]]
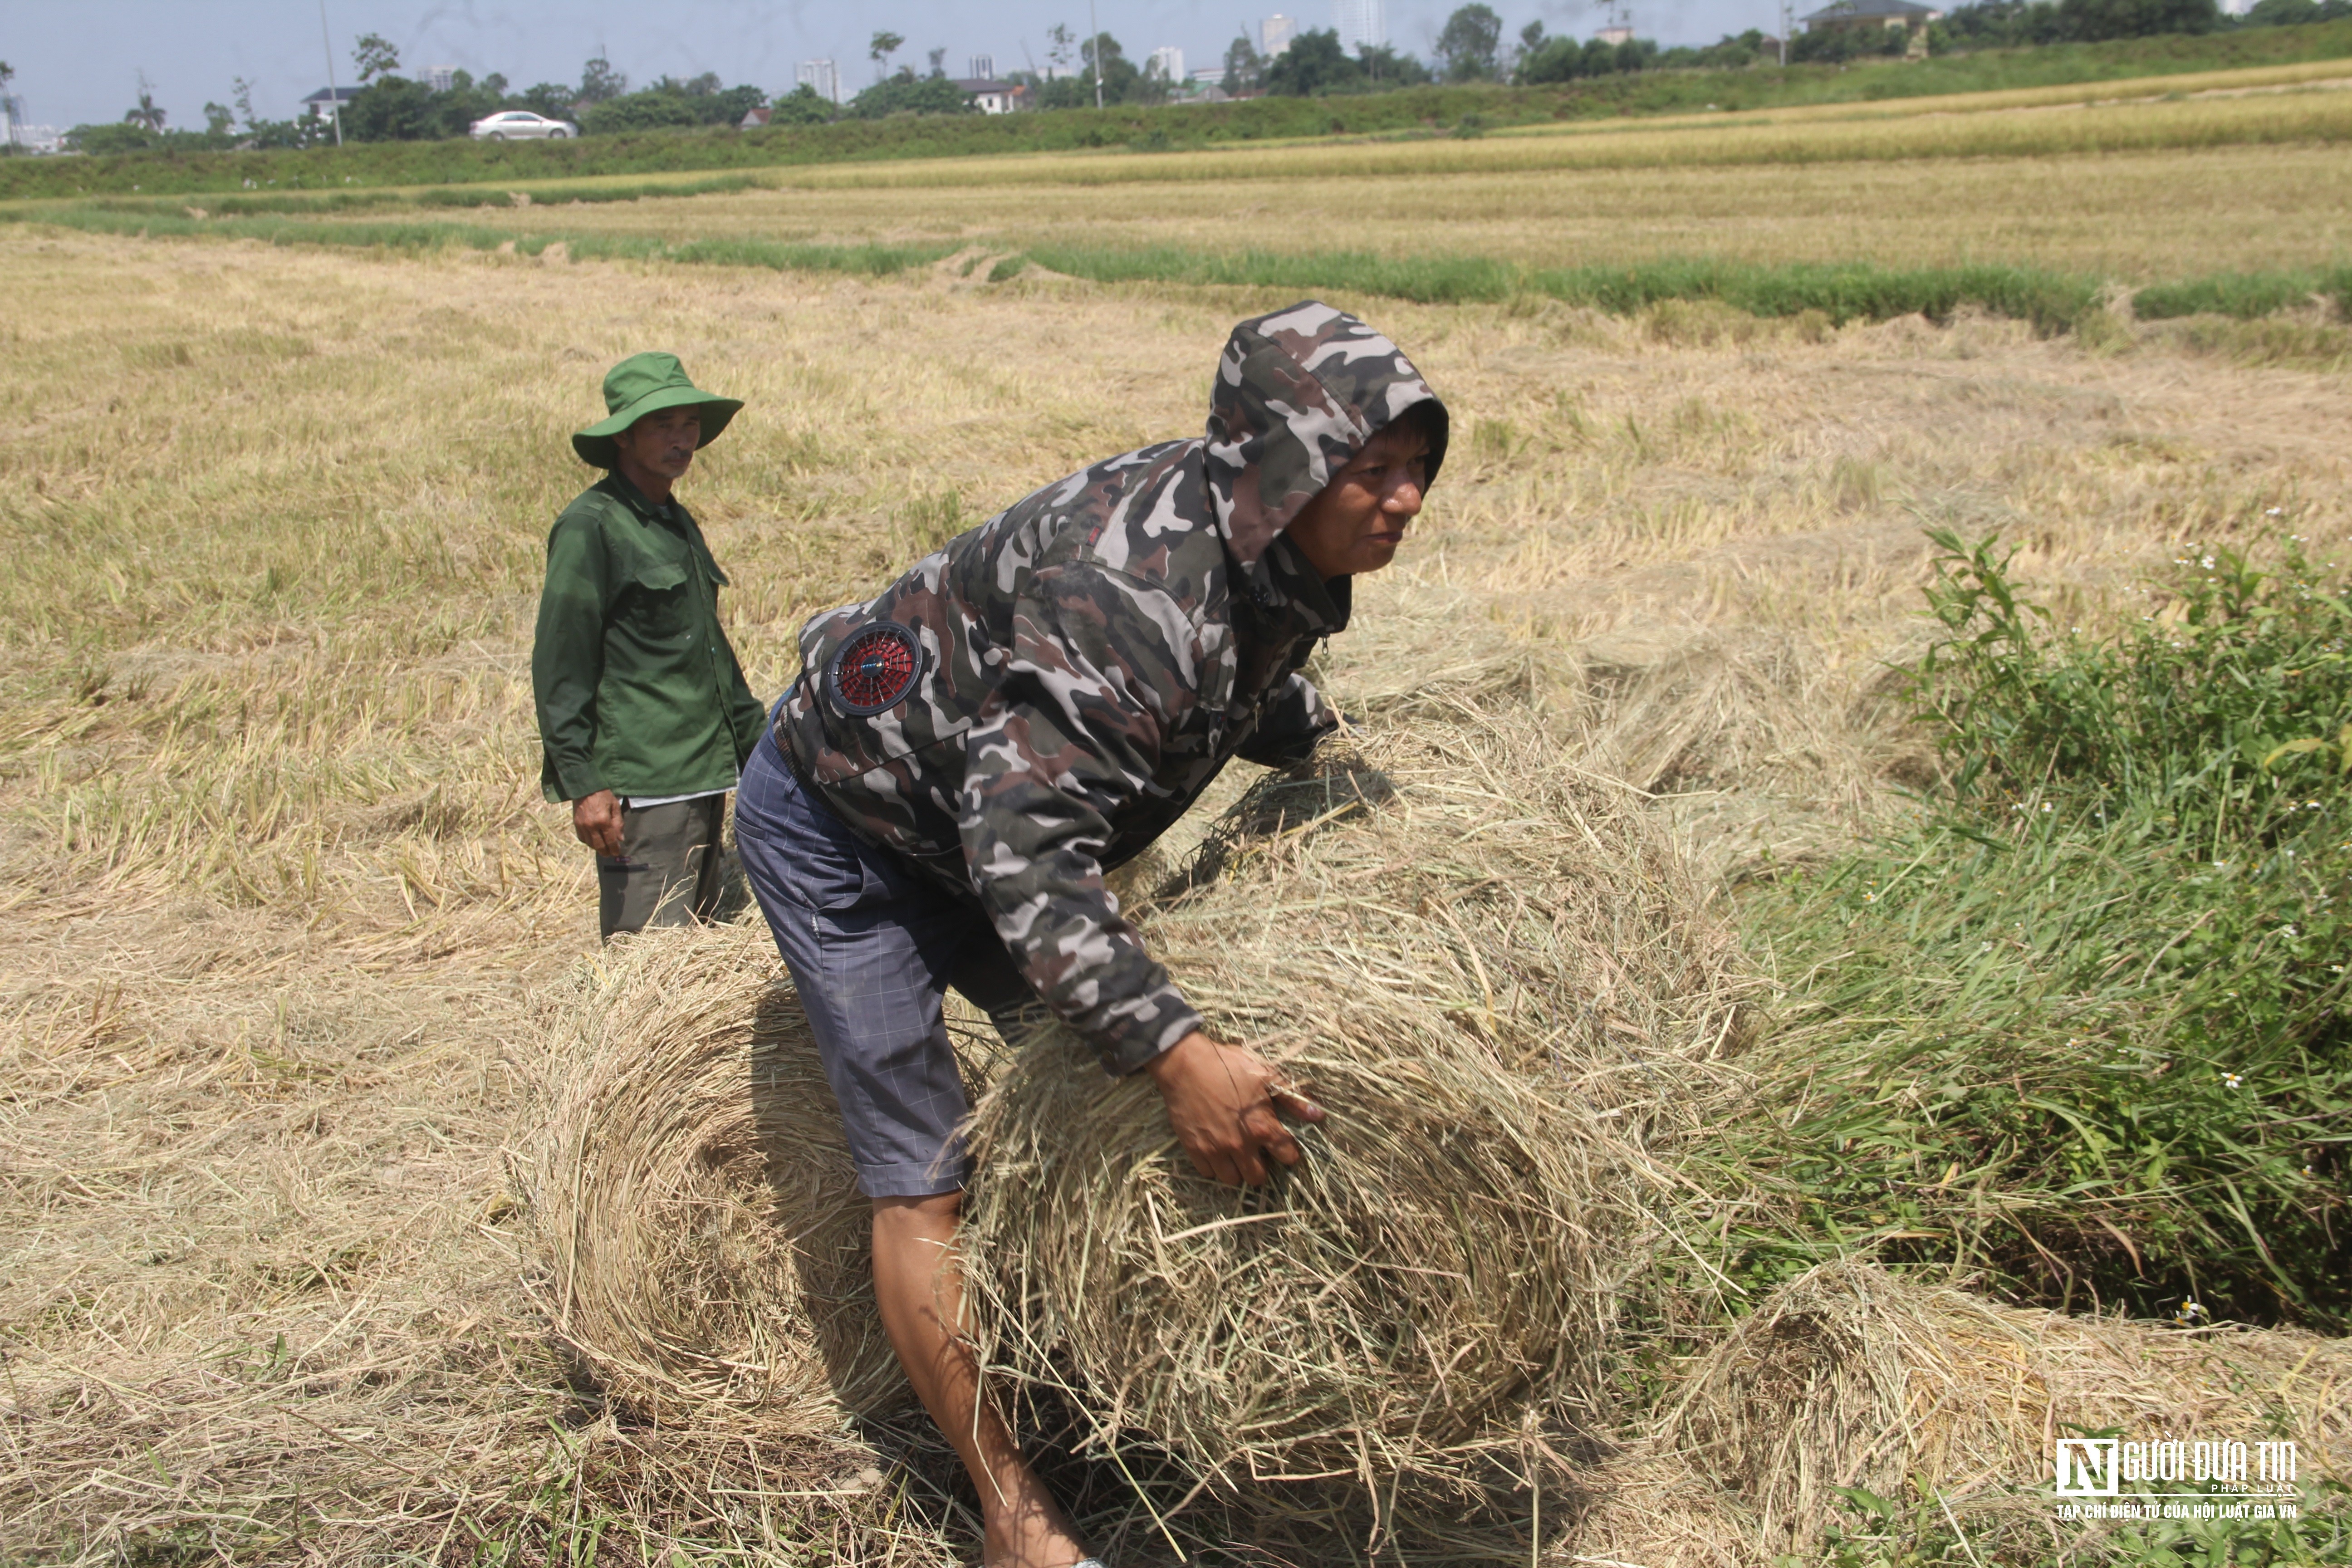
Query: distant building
[[993, 96], [1613, 35], [753, 119], [42, 138], [1169, 61], [1275, 33], [1208, 76], [820, 77], [441, 78], [1361, 23], [1871, 13], [982, 68], [328, 102]]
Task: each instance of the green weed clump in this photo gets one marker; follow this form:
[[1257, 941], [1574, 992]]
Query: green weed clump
[[2086, 1024]]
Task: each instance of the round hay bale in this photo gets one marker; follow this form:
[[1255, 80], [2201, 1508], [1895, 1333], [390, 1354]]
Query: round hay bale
[[700, 1220], [1849, 1376], [1505, 995]]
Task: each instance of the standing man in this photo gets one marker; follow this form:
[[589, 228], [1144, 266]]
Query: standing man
[[645, 720], [964, 755]]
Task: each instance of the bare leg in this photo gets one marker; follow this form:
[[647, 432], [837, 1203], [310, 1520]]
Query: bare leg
[[919, 1286]]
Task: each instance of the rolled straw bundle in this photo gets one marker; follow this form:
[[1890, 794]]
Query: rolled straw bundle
[[1505, 994], [1849, 1376], [703, 1233]]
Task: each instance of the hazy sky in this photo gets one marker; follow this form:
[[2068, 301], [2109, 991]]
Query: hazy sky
[[79, 60]]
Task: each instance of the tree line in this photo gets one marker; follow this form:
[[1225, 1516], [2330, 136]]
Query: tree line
[[1081, 71]]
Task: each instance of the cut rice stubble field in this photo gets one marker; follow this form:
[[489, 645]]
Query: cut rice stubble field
[[285, 885]]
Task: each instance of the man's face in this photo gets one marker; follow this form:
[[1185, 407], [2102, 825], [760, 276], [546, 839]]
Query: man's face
[[663, 441], [1356, 522]]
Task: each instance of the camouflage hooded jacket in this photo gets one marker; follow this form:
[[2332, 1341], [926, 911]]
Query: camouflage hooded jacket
[[1041, 699]]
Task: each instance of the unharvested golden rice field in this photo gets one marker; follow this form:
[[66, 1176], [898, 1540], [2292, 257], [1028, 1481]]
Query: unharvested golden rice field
[[2129, 181], [2138, 216], [285, 902], [2320, 112]]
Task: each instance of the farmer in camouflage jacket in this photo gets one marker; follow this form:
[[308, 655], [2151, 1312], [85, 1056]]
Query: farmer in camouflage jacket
[[965, 755]]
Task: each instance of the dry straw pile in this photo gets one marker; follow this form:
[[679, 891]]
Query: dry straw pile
[[1852, 1376], [1514, 1004], [699, 1222], [1504, 990]]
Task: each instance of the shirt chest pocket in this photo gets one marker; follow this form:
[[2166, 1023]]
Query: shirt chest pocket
[[661, 600]]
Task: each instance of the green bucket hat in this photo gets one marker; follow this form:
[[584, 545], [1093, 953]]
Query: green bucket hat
[[642, 385]]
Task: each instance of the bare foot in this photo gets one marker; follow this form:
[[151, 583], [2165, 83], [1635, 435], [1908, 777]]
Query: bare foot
[[1028, 1530]]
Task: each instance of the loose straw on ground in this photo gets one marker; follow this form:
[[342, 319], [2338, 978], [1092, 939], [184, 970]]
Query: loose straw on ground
[[1852, 1376]]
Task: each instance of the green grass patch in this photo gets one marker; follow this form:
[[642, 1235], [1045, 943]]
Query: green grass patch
[[2245, 295], [324, 204], [2053, 302], [1417, 110], [425, 234], [2086, 1025]]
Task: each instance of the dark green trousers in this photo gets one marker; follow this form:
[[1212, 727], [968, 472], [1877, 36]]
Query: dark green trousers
[[668, 871]]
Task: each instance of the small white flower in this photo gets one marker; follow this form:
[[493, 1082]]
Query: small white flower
[[2233, 1080], [2206, 563], [2288, 929], [2276, 511]]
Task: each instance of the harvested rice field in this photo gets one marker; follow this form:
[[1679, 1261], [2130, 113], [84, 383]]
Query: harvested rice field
[[2140, 216], [355, 1209]]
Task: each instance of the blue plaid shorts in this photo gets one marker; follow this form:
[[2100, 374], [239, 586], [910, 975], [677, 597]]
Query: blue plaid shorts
[[873, 945]]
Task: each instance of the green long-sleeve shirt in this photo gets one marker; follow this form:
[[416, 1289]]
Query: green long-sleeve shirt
[[637, 690]]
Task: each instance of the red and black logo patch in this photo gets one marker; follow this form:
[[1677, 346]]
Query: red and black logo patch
[[874, 669]]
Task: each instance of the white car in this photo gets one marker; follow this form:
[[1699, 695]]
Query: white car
[[517, 124]]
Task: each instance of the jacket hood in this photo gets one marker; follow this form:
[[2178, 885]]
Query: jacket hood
[[1298, 393]]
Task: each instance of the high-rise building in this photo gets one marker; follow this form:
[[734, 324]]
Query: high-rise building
[[1361, 24], [1169, 61], [1275, 33], [441, 78], [820, 77], [983, 67]]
